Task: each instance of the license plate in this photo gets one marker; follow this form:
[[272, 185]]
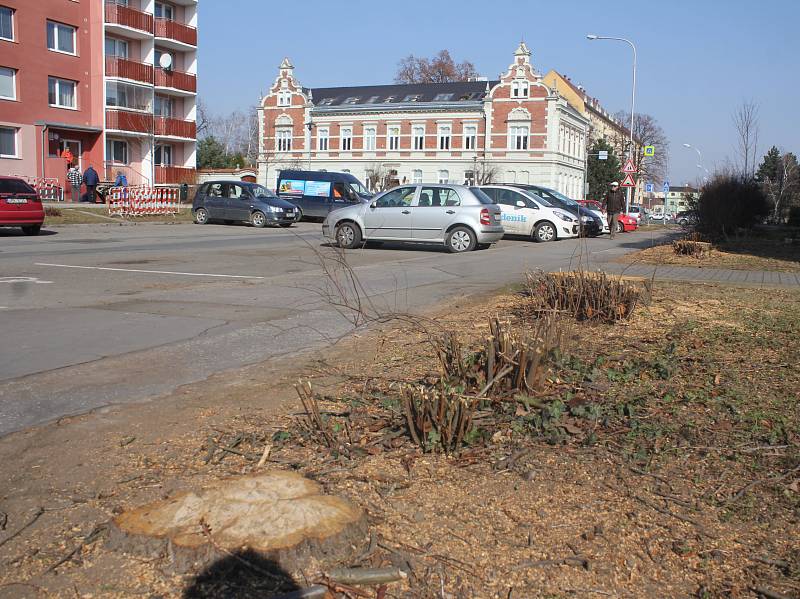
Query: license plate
[[17, 201]]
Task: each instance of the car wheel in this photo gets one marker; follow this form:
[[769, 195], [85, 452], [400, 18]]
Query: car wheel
[[258, 219], [545, 231], [31, 229], [201, 216], [620, 227], [348, 236], [461, 239]]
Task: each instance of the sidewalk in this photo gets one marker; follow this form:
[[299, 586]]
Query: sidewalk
[[705, 275]]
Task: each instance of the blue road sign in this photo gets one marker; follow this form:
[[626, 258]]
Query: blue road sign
[[666, 186], [648, 188]]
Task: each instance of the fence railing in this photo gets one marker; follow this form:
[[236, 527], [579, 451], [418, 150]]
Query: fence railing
[[142, 201]]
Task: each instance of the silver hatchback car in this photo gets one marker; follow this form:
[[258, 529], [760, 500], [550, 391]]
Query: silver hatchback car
[[460, 217]]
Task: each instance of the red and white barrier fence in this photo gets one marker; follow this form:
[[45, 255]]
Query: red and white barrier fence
[[142, 201], [48, 188]]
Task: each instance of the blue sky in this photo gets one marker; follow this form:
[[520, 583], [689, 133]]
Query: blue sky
[[698, 60]]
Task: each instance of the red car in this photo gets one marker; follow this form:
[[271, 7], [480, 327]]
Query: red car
[[20, 206], [625, 223]]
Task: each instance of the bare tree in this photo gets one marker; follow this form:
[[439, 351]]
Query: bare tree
[[485, 173], [745, 119], [646, 132], [203, 118], [438, 69]]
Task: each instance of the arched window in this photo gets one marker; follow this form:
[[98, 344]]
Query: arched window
[[444, 176]]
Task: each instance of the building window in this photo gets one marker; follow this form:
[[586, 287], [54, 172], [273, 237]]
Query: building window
[[443, 97], [519, 89], [125, 95], [118, 48], [393, 137], [352, 100], [416, 175], [418, 133], [470, 137], [117, 151], [322, 139], [61, 93], [6, 23], [518, 137], [283, 140], [469, 178], [164, 11], [8, 142], [164, 107], [8, 83], [370, 134], [346, 138], [444, 176], [444, 137], [284, 98], [412, 98], [60, 38], [163, 155]]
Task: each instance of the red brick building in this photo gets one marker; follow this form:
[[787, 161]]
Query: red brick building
[[514, 129], [113, 81]]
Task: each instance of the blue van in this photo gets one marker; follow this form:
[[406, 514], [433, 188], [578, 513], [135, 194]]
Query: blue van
[[316, 193]]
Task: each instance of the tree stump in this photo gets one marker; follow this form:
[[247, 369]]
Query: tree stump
[[280, 516]]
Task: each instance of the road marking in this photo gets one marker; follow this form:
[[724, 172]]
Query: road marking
[[155, 272], [23, 280]]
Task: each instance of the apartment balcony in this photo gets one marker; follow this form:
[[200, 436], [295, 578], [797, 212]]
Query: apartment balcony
[[166, 127], [185, 84], [175, 35], [172, 175], [133, 123], [128, 21], [129, 69]]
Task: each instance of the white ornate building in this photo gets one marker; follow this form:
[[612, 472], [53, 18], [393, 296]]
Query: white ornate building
[[515, 128]]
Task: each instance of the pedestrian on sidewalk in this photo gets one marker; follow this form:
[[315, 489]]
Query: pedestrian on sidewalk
[[91, 179], [614, 203], [121, 180], [74, 178]]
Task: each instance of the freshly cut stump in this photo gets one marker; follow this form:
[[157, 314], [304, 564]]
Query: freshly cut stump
[[281, 516]]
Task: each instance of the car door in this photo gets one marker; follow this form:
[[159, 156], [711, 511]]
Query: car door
[[238, 204], [436, 209], [514, 218], [389, 216], [214, 201]]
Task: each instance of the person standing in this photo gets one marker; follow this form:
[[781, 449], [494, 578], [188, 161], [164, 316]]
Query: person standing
[[614, 203], [121, 180], [74, 178], [90, 179]]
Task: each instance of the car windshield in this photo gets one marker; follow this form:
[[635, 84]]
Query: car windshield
[[541, 198], [569, 202], [260, 191], [481, 195], [359, 189]]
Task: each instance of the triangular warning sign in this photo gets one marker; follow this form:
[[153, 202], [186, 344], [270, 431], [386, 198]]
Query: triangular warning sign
[[629, 168], [628, 181]]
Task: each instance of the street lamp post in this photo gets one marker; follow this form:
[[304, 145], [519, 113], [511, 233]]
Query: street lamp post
[[593, 37], [699, 158]]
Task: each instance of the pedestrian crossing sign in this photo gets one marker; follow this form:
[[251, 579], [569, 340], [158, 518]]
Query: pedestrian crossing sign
[[649, 150]]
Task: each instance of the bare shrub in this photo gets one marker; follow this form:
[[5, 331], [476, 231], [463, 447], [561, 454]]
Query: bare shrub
[[51, 211], [691, 247], [584, 296], [509, 362], [437, 418]]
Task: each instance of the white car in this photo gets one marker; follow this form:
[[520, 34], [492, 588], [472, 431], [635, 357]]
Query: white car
[[635, 211], [524, 213]]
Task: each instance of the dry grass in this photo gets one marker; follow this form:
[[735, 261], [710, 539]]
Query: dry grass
[[79, 215], [745, 255]]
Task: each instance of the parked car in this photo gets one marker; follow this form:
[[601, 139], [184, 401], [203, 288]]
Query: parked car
[[462, 218], [588, 222], [686, 218], [597, 208], [20, 206], [316, 193], [626, 223], [525, 213], [636, 211], [241, 201]]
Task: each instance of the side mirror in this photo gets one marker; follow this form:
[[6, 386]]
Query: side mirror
[[373, 204], [520, 204]]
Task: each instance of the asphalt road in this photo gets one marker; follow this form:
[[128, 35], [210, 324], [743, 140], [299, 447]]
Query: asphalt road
[[93, 315]]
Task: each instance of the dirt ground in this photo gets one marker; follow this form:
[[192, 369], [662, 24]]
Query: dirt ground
[[665, 462], [757, 254]]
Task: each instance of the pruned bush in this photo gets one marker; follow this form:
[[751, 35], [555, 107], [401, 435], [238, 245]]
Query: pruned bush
[[436, 418], [510, 361], [51, 211], [728, 204], [691, 247], [585, 296]]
